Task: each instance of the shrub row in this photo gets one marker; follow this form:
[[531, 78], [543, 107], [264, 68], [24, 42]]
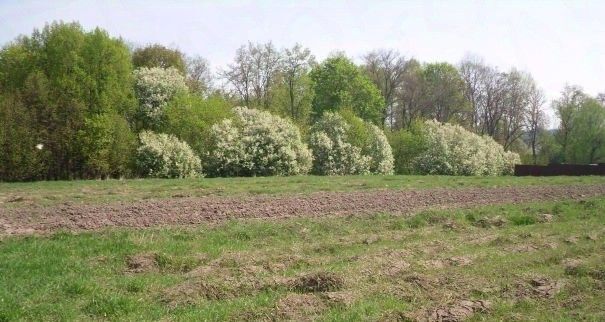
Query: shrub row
[[257, 143]]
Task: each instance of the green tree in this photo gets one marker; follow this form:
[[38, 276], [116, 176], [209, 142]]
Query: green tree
[[572, 97], [157, 55], [551, 152], [444, 94], [586, 140], [407, 145], [190, 119], [21, 156], [108, 146], [64, 76], [293, 94], [339, 84]]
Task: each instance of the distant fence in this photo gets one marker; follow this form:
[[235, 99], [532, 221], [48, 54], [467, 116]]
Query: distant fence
[[560, 170]]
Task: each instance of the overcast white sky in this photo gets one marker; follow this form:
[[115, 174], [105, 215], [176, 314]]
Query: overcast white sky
[[558, 42]]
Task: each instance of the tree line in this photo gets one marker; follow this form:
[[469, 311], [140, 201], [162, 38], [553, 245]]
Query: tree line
[[73, 102]]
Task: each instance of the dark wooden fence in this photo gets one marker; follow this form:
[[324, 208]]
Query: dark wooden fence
[[560, 170]]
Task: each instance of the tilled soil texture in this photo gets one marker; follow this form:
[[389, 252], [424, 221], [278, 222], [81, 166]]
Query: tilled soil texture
[[186, 211]]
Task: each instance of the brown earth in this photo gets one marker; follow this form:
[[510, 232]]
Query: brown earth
[[193, 210]]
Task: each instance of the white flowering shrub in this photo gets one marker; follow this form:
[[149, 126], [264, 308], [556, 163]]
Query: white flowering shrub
[[339, 151], [257, 143], [164, 156], [452, 150], [379, 150], [154, 88]]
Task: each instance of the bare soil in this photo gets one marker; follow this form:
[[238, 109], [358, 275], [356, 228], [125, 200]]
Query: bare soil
[[195, 210]]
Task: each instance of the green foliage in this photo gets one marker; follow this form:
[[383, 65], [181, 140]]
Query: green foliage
[[293, 93], [19, 157], [586, 138], [190, 118], [74, 94], [372, 141], [63, 76], [108, 146], [407, 145], [444, 89], [160, 56], [339, 84], [550, 149], [164, 156], [293, 100]]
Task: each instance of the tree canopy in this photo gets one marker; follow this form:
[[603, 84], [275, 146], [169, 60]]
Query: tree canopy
[[339, 85]]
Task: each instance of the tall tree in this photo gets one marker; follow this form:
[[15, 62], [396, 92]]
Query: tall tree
[[294, 93], [486, 90], [199, 77], [386, 68], [519, 87], [535, 120], [252, 73], [586, 140], [339, 84], [66, 76], [157, 55], [410, 97], [572, 98], [444, 93], [474, 74]]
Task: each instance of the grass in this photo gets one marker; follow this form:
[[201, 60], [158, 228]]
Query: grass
[[380, 266], [100, 191]]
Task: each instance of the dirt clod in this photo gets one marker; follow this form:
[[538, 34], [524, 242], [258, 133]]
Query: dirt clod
[[339, 298], [460, 260], [571, 240], [318, 282], [459, 311], [450, 225], [486, 222], [299, 307], [544, 218], [572, 266], [544, 287], [191, 291], [142, 263], [371, 240], [592, 236], [15, 199]]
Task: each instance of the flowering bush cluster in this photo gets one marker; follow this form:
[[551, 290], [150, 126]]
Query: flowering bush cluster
[[154, 87], [334, 152], [379, 150], [257, 143], [452, 150], [164, 156]]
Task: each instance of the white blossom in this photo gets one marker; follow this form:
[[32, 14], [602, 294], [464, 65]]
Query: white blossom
[[452, 150], [164, 156], [334, 154], [257, 143], [154, 87]]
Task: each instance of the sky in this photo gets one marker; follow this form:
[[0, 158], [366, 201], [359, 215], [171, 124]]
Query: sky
[[558, 42]]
